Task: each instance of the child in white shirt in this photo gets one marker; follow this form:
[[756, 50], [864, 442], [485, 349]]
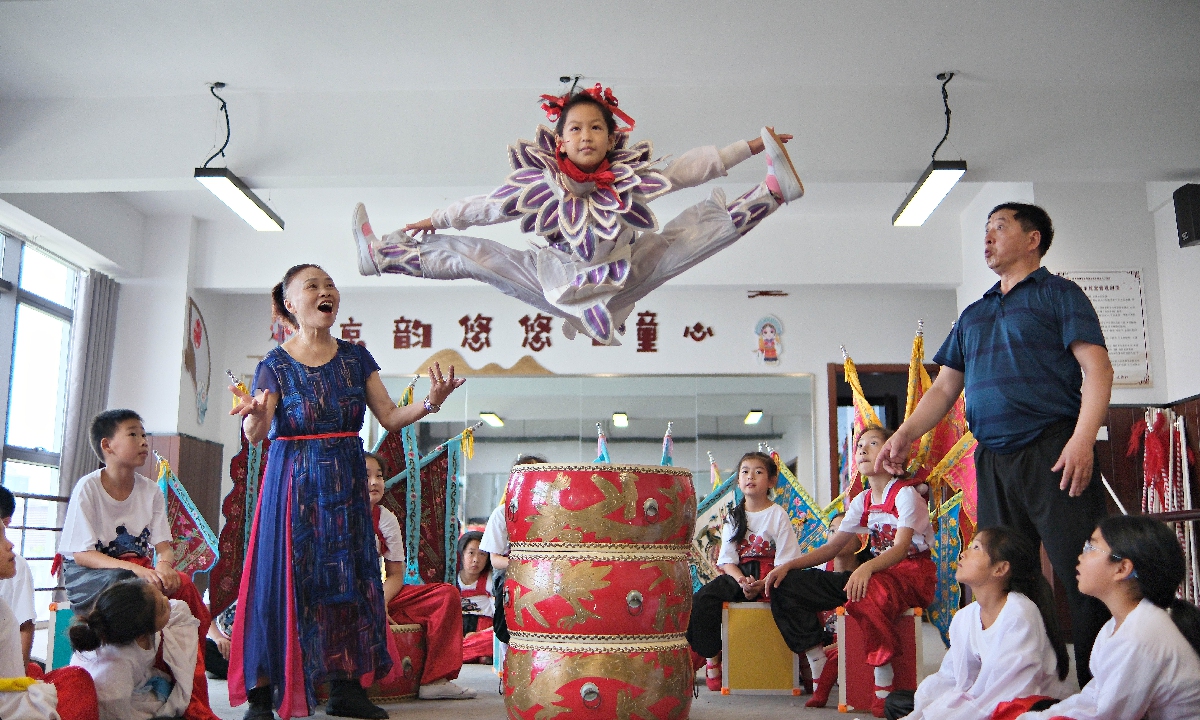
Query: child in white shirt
[[757, 536], [17, 590], [1005, 644], [433, 606], [478, 604], [118, 641], [900, 576], [1145, 663], [65, 694]]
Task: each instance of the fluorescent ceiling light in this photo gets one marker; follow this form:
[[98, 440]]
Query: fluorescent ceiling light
[[753, 417], [927, 194], [620, 420], [491, 418], [233, 192]]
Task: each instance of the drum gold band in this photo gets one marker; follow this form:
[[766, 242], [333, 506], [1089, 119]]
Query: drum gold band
[[603, 468], [527, 551], [597, 643]]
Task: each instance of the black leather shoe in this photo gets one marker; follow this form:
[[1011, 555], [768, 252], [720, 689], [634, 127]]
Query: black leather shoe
[[260, 704], [347, 698]]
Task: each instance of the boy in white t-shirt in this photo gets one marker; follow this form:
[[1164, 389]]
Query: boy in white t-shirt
[[17, 590], [117, 528], [901, 574]]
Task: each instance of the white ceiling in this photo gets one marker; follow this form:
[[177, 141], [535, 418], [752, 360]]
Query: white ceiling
[[402, 100]]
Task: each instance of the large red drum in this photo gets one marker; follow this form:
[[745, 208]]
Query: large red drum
[[556, 505], [599, 591]]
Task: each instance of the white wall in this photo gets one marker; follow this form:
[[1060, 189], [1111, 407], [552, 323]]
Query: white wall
[[875, 324], [1178, 275], [1105, 226], [147, 360]]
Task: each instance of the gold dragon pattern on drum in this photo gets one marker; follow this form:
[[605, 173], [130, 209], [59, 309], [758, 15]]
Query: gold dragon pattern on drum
[[552, 521]]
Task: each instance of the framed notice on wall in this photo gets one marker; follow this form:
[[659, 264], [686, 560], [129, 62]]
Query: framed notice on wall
[[1117, 297]]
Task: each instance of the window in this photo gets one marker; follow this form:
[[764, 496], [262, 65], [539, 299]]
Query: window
[[37, 301]]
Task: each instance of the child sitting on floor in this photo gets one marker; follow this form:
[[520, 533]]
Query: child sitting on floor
[[116, 527], [142, 650], [1145, 663], [495, 543], [900, 576], [17, 590], [757, 535], [1005, 644], [67, 693], [434, 606], [478, 604]]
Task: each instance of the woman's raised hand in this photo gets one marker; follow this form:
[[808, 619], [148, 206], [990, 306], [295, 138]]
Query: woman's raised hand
[[249, 405], [423, 227], [440, 387]]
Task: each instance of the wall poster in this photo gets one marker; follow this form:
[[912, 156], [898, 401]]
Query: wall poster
[[1117, 297]]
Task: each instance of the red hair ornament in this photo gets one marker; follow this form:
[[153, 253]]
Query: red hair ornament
[[554, 104]]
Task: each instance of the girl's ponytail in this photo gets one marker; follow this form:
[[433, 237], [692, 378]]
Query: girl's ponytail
[[1158, 565], [121, 613], [83, 635], [1003, 544]]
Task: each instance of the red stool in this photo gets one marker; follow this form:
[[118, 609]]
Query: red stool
[[410, 641], [856, 679]]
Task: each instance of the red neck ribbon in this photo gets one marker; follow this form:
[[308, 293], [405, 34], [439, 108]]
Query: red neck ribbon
[[602, 175]]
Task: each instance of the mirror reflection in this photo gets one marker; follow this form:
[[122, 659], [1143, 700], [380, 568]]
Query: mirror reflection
[[555, 417]]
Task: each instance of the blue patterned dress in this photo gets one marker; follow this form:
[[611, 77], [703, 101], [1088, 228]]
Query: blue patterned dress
[[310, 606]]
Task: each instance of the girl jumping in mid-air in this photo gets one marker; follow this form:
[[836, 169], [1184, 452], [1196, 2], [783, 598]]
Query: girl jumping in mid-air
[[1005, 644], [900, 576], [757, 536], [1145, 663], [586, 191]]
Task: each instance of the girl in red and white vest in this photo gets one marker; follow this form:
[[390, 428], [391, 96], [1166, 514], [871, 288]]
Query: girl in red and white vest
[[900, 576], [433, 606], [478, 604]]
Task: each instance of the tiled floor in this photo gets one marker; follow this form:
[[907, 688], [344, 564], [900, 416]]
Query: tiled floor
[[489, 705]]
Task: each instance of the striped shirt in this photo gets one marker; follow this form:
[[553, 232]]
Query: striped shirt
[[1019, 373]]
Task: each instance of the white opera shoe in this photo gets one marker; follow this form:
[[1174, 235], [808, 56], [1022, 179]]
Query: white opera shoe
[[790, 187], [364, 239], [445, 690]]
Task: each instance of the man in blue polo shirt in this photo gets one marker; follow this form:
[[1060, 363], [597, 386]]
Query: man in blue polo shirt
[[1032, 359]]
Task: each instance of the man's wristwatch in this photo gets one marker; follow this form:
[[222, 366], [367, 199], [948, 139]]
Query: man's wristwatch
[[430, 407]]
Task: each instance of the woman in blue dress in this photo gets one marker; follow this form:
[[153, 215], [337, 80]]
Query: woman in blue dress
[[310, 605]]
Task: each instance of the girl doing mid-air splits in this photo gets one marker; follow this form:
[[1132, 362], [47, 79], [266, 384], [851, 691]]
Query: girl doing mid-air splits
[[586, 191]]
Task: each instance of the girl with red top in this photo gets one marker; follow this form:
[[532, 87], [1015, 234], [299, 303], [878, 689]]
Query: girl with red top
[[901, 574], [433, 606], [478, 604]]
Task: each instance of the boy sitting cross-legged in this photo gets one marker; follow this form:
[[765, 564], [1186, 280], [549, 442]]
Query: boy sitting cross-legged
[[116, 527]]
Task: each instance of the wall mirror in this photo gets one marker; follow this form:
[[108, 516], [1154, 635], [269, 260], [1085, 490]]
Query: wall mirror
[[555, 416]]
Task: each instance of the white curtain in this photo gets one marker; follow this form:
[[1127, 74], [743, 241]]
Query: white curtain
[[93, 333]]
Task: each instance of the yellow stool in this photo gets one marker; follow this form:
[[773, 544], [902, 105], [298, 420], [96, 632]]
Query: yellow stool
[[754, 658]]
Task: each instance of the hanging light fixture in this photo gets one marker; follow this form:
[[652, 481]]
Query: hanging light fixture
[[620, 419], [937, 180], [230, 189]]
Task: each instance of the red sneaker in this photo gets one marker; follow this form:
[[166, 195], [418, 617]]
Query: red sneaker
[[877, 707]]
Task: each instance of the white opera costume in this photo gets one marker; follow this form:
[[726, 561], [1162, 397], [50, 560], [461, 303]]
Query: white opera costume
[[604, 248], [1143, 669], [1011, 658], [38, 701]]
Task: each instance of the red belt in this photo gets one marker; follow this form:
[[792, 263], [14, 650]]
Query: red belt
[[321, 436]]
